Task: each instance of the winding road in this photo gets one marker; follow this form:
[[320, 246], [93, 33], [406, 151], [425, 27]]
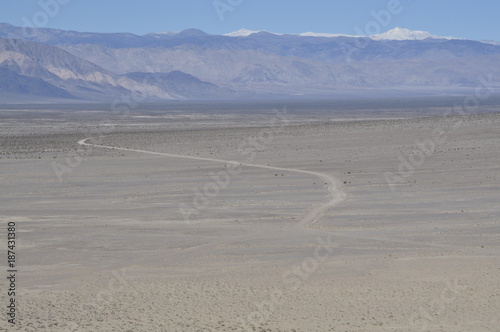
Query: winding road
[[312, 217]]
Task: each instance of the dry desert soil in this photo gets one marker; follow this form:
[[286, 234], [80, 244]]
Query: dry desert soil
[[263, 223]]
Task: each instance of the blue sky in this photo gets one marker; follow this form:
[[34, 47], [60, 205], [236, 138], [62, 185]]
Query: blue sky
[[459, 18]]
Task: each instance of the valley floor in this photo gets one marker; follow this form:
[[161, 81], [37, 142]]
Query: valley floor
[[123, 240]]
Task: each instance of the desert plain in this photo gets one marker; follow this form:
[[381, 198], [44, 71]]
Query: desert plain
[[278, 220]]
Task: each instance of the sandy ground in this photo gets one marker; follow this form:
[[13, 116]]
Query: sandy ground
[[198, 238]]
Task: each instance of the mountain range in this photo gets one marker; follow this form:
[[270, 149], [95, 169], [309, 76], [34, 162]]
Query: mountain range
[[50, 64], [393, 34]]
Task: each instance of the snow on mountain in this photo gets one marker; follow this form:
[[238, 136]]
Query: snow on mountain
[[241, 33], [393, 34], [406, 34], [246, 33], [101, 66], [491, 42]]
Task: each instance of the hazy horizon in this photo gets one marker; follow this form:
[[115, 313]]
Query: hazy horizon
[[469, 20]]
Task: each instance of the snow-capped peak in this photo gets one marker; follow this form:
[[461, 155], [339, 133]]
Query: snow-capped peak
[[246, 33], [405, 34], [393, 34], [241, 33]]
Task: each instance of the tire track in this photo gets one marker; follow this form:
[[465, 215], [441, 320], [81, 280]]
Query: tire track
[[312, 217]]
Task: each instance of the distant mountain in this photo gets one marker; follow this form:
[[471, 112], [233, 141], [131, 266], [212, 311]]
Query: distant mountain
[[180, 85], [393, 34], [44, 70], [246, 33], [405, 34], [54, 71], [327, 35], [255, 64], [265, 63], [15, 83]]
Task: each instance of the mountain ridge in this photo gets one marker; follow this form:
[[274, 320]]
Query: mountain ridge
[[392, 34], [64, 75], [192, 64]]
